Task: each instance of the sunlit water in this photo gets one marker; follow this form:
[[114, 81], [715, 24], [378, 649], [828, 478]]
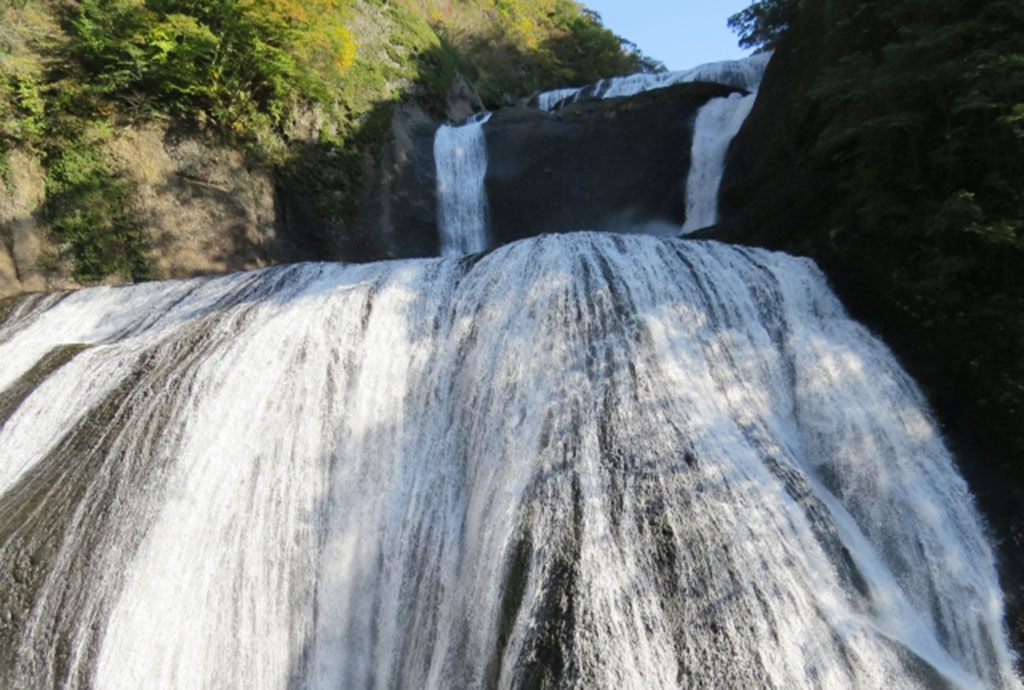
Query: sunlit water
[[460, 160], [717, 123], [742, 74], [588, 460]]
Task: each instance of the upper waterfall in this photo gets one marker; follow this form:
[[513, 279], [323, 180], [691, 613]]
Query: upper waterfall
[[650, 162], [714, 129], [744, 74], [580, 460], [460, 157]]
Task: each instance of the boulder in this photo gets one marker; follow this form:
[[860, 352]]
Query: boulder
[[462, 100]]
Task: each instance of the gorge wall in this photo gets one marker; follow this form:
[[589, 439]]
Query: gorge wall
[[614, 164], [897, 217]]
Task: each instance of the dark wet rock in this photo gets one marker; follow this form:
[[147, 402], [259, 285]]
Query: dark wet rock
[[598, 165], [398, 210]]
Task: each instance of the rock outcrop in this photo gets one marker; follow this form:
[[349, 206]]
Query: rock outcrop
[[23, 240], [202, 208], [618, 164], [398, 209]]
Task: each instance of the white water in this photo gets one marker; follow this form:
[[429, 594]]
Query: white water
[[460, 160], [598, 461], [547, 100], [718, 121], [741, 74]]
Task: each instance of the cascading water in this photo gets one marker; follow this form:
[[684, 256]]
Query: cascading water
[[548, 100], [742, 74], [579, 460], [716, 125], [460, 159]]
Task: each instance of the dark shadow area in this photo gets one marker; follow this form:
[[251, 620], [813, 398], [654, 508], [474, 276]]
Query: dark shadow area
[[615, 164], [945, 298]]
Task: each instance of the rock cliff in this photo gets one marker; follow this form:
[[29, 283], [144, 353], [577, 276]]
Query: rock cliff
[[618, 164]]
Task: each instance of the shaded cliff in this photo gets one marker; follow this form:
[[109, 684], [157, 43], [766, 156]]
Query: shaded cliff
[[884, 145], [22, 244], [618, 164]]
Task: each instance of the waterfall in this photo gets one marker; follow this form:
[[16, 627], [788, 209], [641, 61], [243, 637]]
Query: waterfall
[[744, 74], [460, 158], [717, 122], [582, 460], [716, 125], [548, 100]]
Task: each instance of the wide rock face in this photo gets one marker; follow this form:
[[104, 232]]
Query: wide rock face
[[398, 208], [22, 243], [201, 206], [618, 164]]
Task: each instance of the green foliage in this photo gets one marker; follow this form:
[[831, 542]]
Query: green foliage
[[763, 23], [589, 51], [512, 47], [21, 102], [5, 170], [87, 203], [89, 206], [23, 32], [928, 120], [239, 64]]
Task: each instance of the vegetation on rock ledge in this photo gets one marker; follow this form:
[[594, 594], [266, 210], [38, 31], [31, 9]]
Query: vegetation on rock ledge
[[307, 87]]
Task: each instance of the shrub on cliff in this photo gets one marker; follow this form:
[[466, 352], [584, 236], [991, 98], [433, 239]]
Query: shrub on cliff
[[238, 64]]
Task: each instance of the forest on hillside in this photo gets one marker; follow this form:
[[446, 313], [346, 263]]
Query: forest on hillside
[[252, 71]]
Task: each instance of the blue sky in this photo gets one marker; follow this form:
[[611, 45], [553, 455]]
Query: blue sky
[[680, 33]]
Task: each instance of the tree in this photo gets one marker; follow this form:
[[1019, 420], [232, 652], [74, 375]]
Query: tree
[[763, 23]]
